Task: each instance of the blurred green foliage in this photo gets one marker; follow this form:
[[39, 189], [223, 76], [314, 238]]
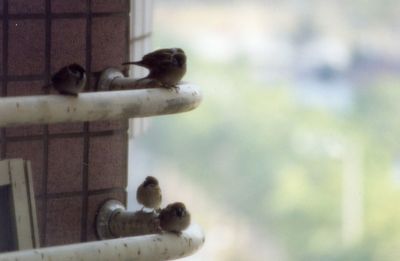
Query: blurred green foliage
[[269, 158]]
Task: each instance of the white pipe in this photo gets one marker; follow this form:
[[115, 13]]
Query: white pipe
[[165, 246], [94, 106]]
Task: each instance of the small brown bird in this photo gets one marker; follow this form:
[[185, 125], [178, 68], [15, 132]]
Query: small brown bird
[[69, 80], [168, 66], [174, 218], [149, 193]]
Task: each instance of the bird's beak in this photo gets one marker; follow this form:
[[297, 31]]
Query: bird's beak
[[135, 63]]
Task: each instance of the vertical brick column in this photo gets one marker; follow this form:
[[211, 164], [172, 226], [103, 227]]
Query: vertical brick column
[[76, 166]]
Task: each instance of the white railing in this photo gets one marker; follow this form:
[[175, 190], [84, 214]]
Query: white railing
[[107, 105], [164, 246], [95, 106]]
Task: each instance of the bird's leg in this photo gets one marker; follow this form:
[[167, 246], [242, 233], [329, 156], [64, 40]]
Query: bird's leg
[[173, 88], [156, 211], [160, 231], [177, 89], [151, 83], [178, 233]]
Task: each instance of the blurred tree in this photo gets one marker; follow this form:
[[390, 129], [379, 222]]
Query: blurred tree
[[279, 163]]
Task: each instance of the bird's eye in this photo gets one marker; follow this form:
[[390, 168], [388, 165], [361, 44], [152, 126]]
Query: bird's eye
[[175, 61], [179, 60], [180, 212]]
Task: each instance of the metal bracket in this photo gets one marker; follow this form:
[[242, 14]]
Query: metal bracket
[[106, 78], [104, 215]]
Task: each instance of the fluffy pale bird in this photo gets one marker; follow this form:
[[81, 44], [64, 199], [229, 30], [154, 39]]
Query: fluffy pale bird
[[69, 80], [174, 218], [149, 193]]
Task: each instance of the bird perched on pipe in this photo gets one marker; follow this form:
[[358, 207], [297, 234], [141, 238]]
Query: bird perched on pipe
[[174, 218], [69, 80], [166, 66], [149, 193]]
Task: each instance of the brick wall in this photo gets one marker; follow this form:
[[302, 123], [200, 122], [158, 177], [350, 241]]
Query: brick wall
[[76, 166]]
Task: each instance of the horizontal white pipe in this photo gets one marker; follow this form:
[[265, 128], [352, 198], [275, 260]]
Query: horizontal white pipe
[[165, 246], [94, 106]]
